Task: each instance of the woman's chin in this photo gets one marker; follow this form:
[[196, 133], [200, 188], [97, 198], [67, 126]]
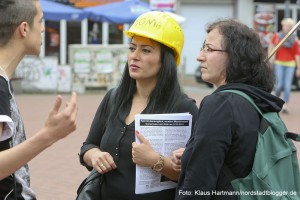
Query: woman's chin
[[205, 79]]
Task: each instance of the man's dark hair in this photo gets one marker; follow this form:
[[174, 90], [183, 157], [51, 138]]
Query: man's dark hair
[[12, 13]]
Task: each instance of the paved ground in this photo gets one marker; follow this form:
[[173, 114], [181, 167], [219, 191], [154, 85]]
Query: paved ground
[[56, 173]]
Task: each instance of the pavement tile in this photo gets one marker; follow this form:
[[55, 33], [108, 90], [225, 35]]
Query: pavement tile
[[56, 172]]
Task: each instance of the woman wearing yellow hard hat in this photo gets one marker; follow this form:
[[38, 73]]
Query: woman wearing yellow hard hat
[[149, 86]]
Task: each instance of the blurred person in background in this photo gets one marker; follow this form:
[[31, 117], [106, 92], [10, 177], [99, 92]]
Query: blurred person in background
[[286, 61]]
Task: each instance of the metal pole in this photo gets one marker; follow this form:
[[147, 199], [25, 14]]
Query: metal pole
[[286, 14], [63, 42], [84, 31], [283, 40]]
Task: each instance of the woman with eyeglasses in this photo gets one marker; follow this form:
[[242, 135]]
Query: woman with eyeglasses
[[232, 58]]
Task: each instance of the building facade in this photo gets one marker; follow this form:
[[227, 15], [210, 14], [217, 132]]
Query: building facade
[[199, 13]]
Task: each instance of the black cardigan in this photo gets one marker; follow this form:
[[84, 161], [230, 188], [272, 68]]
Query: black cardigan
[[117, 140]]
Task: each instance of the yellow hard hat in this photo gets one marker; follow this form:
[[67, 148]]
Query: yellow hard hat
[[161, 27]]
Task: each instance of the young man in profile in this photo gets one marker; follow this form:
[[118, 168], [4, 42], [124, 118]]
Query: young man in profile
[[21, 28]]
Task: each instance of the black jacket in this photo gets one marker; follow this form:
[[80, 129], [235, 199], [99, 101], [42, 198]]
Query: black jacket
[[117, 140], [226, 132], [8, 184]]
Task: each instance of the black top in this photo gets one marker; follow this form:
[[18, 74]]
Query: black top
[[4, 109], [226, 131], [8, 184], [119, 184], [5, 97]]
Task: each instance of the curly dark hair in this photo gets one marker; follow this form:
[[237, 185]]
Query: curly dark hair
[[246, 56]]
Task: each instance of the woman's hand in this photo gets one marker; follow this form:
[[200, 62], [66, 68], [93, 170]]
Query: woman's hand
[[176, 159], [143, 153], [102, 161]]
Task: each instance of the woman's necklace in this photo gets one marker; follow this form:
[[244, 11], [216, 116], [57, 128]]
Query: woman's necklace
[[4, 73]]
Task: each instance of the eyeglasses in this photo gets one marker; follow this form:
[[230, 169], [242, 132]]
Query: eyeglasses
[[207, 49]]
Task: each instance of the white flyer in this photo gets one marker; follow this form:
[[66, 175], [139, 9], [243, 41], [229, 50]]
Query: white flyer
[[166, 133]]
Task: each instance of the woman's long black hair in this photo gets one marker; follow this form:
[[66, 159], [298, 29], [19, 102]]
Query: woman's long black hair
[[163, 97]]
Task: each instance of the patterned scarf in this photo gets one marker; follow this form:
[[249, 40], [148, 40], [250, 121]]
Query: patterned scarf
[[289, 42]]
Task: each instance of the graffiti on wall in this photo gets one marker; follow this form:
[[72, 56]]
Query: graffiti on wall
[[64, 82], [38, 74]]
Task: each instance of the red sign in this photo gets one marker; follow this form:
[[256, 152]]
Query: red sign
[[169, 5], [89, 3]]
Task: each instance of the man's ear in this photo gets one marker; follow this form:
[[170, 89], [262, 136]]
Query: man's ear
[[23, 29]]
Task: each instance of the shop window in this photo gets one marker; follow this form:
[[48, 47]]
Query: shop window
[[95, 32], [73, 34], [115, 34], [280, 16], [52, 38]]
